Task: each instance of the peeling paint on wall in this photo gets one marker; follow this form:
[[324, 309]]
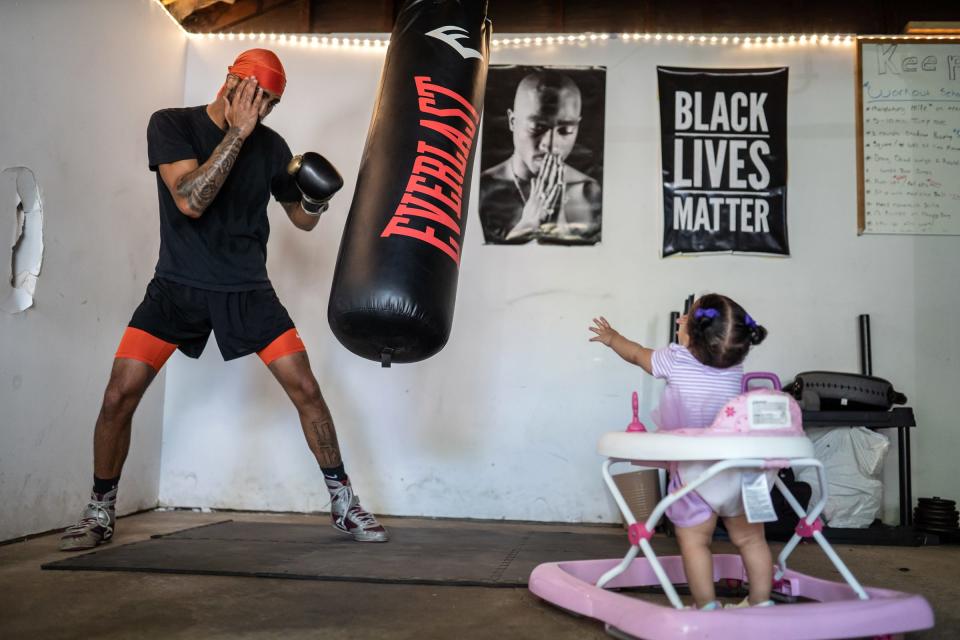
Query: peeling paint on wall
[[20, 196]]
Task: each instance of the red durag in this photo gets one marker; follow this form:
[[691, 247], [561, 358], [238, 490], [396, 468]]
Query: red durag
[[263, 64]]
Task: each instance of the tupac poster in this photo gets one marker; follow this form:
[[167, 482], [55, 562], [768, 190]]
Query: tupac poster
[[542, 157], [724, 158]]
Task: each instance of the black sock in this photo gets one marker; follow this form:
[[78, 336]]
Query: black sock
[[102, 486], [334, 473]]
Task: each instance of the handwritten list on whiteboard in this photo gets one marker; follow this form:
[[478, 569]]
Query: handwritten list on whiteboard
[[910, 125]]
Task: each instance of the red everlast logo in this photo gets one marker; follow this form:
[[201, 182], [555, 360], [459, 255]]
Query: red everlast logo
[[432, 203]]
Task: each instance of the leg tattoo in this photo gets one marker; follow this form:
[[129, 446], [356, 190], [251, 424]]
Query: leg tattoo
[[325, 446]]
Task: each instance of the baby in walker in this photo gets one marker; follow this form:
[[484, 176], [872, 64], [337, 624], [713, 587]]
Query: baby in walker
[[703, 372]]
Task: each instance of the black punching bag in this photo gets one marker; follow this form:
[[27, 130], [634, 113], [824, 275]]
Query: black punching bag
[[395, 282]]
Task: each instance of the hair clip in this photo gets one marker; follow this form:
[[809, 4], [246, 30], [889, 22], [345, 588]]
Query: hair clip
[[750, 322], [706, 313]]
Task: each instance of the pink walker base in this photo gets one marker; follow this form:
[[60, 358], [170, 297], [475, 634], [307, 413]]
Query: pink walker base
[[837, 612]]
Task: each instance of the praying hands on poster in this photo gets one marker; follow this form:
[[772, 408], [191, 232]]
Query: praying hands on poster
[[546, 195]]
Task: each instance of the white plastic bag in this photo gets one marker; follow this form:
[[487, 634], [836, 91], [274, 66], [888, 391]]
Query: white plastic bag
[[853, 459]]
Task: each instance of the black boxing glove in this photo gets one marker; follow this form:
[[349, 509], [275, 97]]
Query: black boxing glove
[[317, 180]]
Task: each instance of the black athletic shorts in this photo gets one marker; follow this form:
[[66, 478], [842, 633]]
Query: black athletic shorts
[[244, 322]]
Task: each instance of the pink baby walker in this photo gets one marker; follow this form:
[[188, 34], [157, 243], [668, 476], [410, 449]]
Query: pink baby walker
[[758, 430]]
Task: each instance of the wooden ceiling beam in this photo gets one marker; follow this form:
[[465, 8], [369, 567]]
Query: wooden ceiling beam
[[346, 16], [291, 16], [540, 16], [306, 9], [933, 28], [218, 16]]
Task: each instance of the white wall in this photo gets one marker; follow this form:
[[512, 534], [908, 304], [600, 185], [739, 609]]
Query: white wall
[[80, 81], [503, 423], [936, 441]]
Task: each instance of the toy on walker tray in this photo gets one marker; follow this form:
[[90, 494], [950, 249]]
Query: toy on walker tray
[[759, 430], [635, 425]]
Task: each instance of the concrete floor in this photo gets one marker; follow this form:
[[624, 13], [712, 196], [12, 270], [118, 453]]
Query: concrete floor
[[77, 604]]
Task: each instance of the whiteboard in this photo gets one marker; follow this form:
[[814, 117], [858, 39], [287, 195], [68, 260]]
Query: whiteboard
[[908, 132]]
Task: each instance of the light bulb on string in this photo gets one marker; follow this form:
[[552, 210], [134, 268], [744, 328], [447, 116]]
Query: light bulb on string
[[752, 41]]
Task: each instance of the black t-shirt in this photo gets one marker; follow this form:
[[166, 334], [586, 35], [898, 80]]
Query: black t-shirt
[[225, 249]]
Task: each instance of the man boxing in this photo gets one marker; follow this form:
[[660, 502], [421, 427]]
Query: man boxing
[[534, 193], [217, 166]]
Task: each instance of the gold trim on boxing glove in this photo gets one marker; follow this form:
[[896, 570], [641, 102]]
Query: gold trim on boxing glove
[[294, 165]]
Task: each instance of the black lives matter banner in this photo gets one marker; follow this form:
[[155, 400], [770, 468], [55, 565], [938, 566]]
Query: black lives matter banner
[[724, 146]]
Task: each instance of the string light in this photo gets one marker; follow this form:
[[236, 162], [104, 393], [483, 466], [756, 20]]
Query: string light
[[752, 41], [747, 41], [539, 40], [310, 41]]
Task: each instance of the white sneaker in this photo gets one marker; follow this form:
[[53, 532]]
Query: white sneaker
[[349, 517], [95, 526]]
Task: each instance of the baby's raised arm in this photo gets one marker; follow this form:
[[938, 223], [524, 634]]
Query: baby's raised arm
[[630, 351]]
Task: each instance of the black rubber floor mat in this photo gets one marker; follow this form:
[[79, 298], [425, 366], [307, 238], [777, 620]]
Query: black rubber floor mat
[[462, 554]]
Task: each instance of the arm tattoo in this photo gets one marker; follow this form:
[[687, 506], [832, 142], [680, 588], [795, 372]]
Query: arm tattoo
[[201, 185], [326, 448]]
